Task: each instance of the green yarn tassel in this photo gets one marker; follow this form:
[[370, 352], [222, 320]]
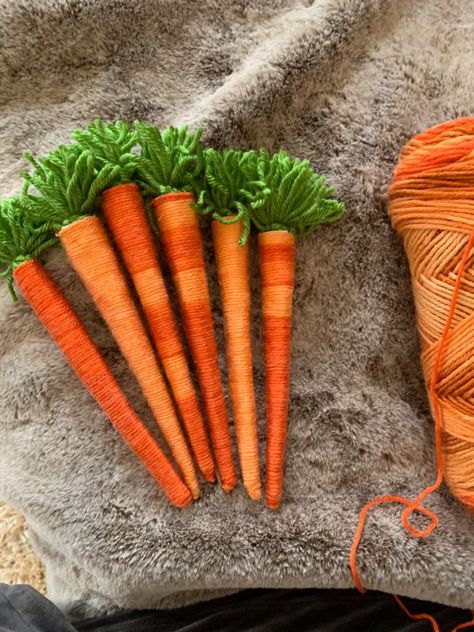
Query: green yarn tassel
[[111, 144], [20, 238], [298, 198], [231, 187], [68, 184], [169, 161]]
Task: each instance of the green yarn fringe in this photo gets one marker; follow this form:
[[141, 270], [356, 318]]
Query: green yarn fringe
[[272, 192], [68, 184], [20, 238], [170, 161], [111, 144], [298, 198], [231, 187]]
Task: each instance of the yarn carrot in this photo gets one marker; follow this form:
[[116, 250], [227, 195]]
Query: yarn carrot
[[298, 200], [21, 243], [169, 165], [69, 185], [228, 195], [125, 215]]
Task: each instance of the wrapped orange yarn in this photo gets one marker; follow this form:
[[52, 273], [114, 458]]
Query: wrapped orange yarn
[[432, 207]]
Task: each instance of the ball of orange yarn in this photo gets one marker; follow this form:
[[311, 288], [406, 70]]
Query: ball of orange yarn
[[432, 207]]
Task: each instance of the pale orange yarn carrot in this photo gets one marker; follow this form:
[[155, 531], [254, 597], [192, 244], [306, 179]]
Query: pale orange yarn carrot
[[69, 185], [169, 164], [229, 193], [232, 261], [432, 207]]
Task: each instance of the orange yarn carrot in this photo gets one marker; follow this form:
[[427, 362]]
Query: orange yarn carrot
[[64, 179], [228, 195], [298, 200], [277, 271], [125, 215], [233, 269], [63, 324], [179, 231], [169, 164]]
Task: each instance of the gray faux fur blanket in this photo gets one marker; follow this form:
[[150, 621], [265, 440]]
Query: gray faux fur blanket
[[344, 83]]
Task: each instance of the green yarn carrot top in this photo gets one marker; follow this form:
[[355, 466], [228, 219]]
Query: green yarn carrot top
[[231, 189], [170, 161], [20, 238]]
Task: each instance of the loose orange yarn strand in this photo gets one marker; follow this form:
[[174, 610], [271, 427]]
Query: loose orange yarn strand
[[415, 504], [418, 617]]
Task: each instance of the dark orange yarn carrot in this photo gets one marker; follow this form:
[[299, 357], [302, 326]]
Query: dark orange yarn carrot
[[277, 251], [170, 164], [125, 215], [21, 242], [56, 314], [181, 238], [297, 201], [69, 185]]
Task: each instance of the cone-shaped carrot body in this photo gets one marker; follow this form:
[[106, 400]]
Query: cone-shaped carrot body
[[92, 256], [233, 269], [180, 235], [63, 324], [125, 215], [277, 272]]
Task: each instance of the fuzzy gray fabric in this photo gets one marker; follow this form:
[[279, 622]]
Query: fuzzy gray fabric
[[345, 83]]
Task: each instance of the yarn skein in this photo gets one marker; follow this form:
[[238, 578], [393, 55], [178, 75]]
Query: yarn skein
[[432, 207]]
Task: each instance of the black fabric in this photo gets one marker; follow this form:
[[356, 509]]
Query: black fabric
[[285, 611], [23, 609]]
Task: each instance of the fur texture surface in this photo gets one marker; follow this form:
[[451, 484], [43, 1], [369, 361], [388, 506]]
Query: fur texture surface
[[344, 83]]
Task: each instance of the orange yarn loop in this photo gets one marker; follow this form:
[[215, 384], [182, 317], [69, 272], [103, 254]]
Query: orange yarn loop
[[432, 207]]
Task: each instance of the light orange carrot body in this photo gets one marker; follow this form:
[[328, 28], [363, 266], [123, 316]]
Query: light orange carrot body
[[233, 269], [64, 325], [181, 237], [125, 215], [277, 271], [92, 256]]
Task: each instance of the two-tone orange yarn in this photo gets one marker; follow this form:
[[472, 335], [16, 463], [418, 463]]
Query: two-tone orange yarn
[[432, 208], [181, 238]]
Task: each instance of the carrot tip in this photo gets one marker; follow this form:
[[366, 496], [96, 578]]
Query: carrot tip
[[228, 487], [254, 493], [209, 477], [273, 503]]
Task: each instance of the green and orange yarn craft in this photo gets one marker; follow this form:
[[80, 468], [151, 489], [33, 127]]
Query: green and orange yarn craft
[[22, 242], [125, 214], [228, 194], [170, 168], [67, 185], [297, 201]]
